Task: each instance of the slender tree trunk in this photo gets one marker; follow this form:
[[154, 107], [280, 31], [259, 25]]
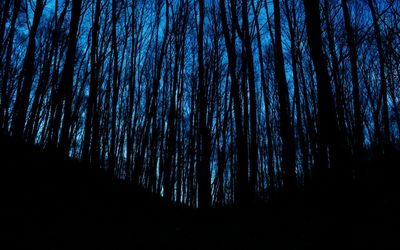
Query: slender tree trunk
[[286, 129], [241, 192], [358, 124], [339, 88], [67, 77], [132, 90], [112, 157], [271, 171], [253, 103], [385, 109], [5, 98], [25, 79], [4, 12], [204, 176], [292, 22], [90, 143]]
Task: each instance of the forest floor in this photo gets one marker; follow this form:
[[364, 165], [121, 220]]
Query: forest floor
[[48, 203]]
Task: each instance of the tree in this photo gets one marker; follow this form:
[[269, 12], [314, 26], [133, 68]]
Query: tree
[[115, 88], [383, 92], [204, 142], [253, 102], [290, 11], [67, 77], [241, 142], [5, 100], [25, 79], [358, 124], [330, 149], [286, 128], [91, 149]]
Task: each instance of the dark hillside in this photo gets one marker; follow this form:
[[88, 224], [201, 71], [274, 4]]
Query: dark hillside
[[51, 203]]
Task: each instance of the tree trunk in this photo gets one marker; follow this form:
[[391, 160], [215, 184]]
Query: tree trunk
[[286, 129], [330, 150], [241, 192], [385, 109], [294, 44], [253, 103], [204, 175], [90, 143], [67, 77], [358, 124], [271, 171], [5, 98], [25, 79], [112, 155]]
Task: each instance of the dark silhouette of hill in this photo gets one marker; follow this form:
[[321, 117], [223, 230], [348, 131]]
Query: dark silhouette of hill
[[48, 202]]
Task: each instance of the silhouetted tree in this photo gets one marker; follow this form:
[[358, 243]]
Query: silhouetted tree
[[204, 142], [383, 101], [286, 128], [67, 77], [358, 124], [5, 98], [329, 148], [25, 79]]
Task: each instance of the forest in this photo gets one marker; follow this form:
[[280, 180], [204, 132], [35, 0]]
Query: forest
[[207, 103]]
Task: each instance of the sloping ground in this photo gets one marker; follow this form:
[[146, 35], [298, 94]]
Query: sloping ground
[[48, 203]]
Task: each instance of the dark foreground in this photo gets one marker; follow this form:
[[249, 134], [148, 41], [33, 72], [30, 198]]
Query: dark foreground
[[48, 203]]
